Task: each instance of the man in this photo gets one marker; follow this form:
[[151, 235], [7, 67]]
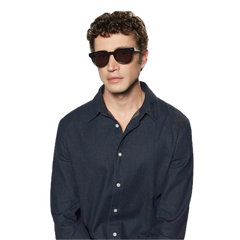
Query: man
[[123, 162]]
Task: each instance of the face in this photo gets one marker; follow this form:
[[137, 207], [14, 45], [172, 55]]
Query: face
[[117, 77]]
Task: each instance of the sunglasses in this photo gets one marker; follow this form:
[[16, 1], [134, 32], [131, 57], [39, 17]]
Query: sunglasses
[[122, 55]]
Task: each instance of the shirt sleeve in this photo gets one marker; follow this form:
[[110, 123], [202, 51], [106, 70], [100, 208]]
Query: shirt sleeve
[[65, 207], [172, 212]]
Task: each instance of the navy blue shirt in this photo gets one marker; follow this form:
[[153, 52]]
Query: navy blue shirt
[[109, 184]]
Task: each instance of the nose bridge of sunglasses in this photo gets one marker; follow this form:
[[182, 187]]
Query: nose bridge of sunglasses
[[112, 56]]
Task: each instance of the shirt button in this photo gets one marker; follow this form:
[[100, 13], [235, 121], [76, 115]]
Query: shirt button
[[118, 185], [114, 234], [115, 210], [117, 125], [119, 154]]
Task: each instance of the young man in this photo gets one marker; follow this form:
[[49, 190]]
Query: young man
[[123, 162]]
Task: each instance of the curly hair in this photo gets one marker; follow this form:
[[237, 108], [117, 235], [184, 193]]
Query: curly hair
[[118, 22]]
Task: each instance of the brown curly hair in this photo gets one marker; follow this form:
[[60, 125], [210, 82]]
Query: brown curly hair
[[118, 22]]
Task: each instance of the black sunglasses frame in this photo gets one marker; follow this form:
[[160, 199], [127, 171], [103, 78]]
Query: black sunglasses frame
[[132, 49]]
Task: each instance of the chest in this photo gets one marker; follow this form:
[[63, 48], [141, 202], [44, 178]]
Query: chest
[[102, 152], [123, 123]]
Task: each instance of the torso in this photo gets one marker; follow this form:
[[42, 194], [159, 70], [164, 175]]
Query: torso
[[123, 126], [123, 121]]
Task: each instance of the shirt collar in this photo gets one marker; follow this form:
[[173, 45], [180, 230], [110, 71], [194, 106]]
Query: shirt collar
[[149, 106]]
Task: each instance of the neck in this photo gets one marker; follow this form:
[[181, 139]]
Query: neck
[[126, 103]]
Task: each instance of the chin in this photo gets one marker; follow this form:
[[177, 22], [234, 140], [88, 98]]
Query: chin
[[116, 89], [121, 87]]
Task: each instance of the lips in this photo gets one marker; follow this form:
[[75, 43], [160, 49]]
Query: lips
[[114, 79]]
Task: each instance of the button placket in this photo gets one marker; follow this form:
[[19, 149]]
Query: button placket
[[116, 202], [118, 184]]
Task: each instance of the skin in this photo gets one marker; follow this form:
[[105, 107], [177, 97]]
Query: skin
[[123, 95]]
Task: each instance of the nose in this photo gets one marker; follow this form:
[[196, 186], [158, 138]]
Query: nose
[[113, 65]]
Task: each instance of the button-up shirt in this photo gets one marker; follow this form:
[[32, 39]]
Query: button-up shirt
[[110, 184]]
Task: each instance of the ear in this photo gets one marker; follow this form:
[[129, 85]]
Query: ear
[[144, 58]]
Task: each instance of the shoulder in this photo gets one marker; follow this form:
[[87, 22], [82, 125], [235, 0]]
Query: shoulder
[[78, 116], [171, 115]]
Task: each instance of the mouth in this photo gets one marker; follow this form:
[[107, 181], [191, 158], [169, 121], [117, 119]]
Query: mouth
[[114, 79]]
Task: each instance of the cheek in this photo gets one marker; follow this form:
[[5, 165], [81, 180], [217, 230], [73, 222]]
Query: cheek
[[131, 69], [134, 70]]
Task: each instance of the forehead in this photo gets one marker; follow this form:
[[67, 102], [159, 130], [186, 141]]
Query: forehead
[[113, 42]]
